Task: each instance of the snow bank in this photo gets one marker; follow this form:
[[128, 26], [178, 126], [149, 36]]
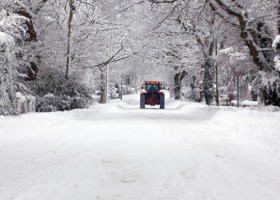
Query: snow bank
[[244, 103], [249, 103]]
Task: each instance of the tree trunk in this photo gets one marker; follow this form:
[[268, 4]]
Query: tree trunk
[[68, 59], [278, 17], [32, 72], [178, 79], [121, 91], [103, 87], [208, 81], [217, 86], [33, 66]]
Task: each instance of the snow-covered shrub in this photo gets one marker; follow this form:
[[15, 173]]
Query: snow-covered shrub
[[8, 105], [25, 103], [196, 95], [269, 88], [195, 90], [113, 91], [192, 94], [55, 93], [267, 83], [51, 103], [11, 34], [78, 102]]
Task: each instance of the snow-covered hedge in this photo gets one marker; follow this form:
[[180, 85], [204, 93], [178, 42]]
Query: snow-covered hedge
[[8, 104], [55, 93]]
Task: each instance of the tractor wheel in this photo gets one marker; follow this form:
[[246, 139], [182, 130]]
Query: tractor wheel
[[142, 101], [161, 101]]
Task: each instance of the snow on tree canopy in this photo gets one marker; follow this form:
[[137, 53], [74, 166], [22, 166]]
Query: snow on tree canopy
[[6, 39], [226, 51], [230, 57], [277, 63], [276, 47], [276, 41]]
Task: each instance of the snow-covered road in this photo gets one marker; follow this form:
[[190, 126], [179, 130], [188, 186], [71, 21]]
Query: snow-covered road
[[188, 151]]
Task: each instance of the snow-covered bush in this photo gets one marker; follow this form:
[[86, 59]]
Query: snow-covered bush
[[51, 103], [25, 103], [195, 90], [269, 82], [11, 35], [191, 93], [79, 102], [8, 105], [113, 91], [269, 88], [55, 93]]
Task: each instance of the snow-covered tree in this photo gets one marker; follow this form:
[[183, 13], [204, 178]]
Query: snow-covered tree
[[8, 104], [232, 62], [256, 30], [11, 33]]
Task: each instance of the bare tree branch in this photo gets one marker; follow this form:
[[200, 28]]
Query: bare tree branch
[[163, 20], [115, 58], [87, 3]]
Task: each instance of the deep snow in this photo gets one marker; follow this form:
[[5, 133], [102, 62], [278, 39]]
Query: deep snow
[[188, 151]]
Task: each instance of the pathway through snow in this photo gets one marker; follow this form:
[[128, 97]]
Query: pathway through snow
[[117, 151]]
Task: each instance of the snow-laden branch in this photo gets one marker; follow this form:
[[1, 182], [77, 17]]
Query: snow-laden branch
[[162, 1], [226, 19], [126, 9], [230, 9], [166, 17], [238, 62], [86, 2], [247, 33]]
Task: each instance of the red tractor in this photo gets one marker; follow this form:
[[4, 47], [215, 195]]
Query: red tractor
[[152, 94]]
